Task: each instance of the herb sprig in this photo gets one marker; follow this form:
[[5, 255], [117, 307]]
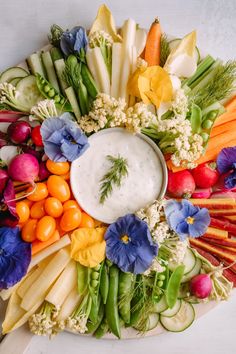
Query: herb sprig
[[117, 172], [165, 49], [55, 34]]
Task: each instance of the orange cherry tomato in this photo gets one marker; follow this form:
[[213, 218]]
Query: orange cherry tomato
[[40, 193], [45, 228], [66, 176], [58, 188], [70, 220], [53, 207], [86, 221], [71, 204], [58, 168], [37, 210], [28, 202], [28, 232], [23, 211]]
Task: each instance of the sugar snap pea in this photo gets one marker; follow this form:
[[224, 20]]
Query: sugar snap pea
[[102, 329], [88, 81], [111, 307], [196, 118], [83, 276], [104, 283], [126, 285], [93, 326], [93, 315], [174, 285]]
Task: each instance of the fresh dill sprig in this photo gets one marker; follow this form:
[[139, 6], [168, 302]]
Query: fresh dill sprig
[[165, 49], [219, 87], [54, 36], [117, 172]]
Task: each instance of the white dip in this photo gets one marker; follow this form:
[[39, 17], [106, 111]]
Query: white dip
[[142, 185]]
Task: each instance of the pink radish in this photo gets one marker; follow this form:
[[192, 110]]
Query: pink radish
[[201, 286], [23, 168], [180, 184], [202, 193]]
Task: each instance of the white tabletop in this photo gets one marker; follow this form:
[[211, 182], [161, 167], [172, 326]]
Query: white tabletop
[[24, 25]]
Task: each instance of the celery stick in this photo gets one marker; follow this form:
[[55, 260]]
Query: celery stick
[[70, 94], [117, 59], [201, 82], [56, 54], [60, 67], [51, 74], [201, 69], [35, 64]]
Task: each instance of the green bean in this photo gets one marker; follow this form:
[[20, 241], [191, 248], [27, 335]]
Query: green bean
[[196, 118], [93, 326], [93, 316], [174, 285], [104, 285], [111, 307], [83, 275], [88, 81], [102, 329], [126, 281]]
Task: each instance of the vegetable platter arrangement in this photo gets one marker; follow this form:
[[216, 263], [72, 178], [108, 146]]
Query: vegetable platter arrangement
[[117, 182]]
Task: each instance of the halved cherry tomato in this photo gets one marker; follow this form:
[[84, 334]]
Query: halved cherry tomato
[[37, 210], [40, 193], [36, 136], [23, 211], [58, 188], [45, 228], [28, 232], [58, 168], [71, 204], [53, 207], [86, 221], [70, 220]]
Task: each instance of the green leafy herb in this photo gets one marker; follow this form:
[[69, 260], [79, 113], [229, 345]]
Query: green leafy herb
[[220, 86], [113, 176], [71, 73], [54, 36], [165, 49]]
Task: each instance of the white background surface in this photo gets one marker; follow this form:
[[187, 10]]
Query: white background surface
[[23, 28]]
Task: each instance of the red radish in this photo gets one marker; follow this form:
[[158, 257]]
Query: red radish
[[24, 168], [3, 179], [43, 171], [205, 175], [201, 286], [19, 131], [180, 184], [202, 193], [36, 136]]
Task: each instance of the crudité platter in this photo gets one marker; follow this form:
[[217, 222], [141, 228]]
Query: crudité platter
[[117, 182]]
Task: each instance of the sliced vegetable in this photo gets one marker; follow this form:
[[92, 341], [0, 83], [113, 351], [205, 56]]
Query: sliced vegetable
[[117, 60], [180, 321], [60, 67], [29, 93], [12, 73], [171, 312], [49, 67], [196, 270], [35, 64]]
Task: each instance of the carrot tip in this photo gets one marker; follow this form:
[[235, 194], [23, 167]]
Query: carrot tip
[[156, 20]]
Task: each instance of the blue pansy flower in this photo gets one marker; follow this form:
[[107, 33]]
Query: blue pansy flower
[[63, 139], [15, 257], [73, 41], [186, 219], [129, 244], [226, 162]]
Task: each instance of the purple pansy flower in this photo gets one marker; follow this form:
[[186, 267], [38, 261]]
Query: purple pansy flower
[[73, 41], [226, 162]]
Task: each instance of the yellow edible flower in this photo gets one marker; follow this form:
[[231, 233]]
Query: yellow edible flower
[[151, 84], [88, 246]]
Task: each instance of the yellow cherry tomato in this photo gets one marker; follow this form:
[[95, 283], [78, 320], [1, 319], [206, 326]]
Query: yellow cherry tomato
[[45, 228], [71, 204], [58, 188], [70, 220], [53, 207], [28, 232], [23, 211], [58, 168], [37, 210], [40, 193], [86, 221]]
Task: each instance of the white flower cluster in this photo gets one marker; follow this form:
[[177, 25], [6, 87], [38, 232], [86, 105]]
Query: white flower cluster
[[43, 109], [178, 251], [43, 323], [77, 324], [180, 103], [138, 117], [98, 37], [7, 91], [155, 267]]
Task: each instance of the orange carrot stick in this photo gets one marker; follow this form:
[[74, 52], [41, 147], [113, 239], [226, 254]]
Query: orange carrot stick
[[223, 128], [226, 117], [38, 246], [153, 44], [231, 104]]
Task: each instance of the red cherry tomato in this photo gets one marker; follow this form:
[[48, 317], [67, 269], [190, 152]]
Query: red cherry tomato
[[36, 136]]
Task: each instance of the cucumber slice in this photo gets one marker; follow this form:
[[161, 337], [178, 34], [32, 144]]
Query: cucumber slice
[[173, 311], [153, 320], [29, 93], [15, 81], [12, 73], [194, 271], [161, 305], [173, 44], [181, 320], [189, 262]]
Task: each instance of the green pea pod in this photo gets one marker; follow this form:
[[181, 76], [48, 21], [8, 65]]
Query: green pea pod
[[94, 283], [83, 98], [49, 92], [102, 329], [126, 282], [93, 326], [93, 316], [88, 81], [83, 276], [196, 118], [104, 283], [111, 307], [174, 285]]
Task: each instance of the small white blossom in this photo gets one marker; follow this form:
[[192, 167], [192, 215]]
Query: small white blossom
[[155, 267], [78, 323], [139, 117], [180, 103], [43, 109], [100, 37]]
